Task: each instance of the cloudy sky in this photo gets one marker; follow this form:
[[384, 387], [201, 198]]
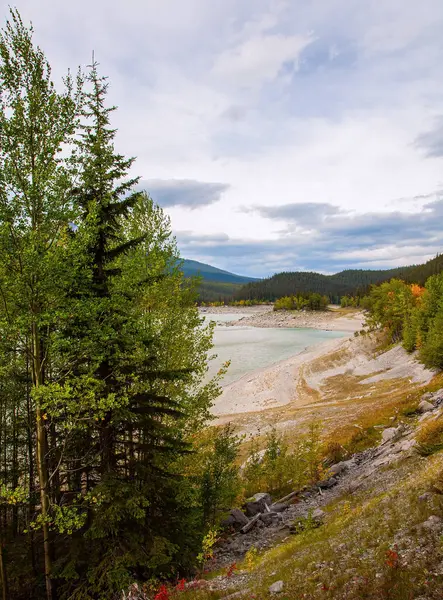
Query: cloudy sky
[[277, 134]]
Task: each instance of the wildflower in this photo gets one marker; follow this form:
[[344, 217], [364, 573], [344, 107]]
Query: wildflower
[[392, 559], [231, 570], [162, 594], [181, 585]]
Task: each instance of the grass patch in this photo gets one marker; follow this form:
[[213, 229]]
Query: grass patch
[[430, 437]]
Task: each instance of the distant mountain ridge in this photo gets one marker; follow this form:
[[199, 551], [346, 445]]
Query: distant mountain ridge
[[192, 268]]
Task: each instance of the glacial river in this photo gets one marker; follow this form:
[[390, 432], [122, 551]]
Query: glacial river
[[251, 348]]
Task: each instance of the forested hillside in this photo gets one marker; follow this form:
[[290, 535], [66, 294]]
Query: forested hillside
[[350, 282]]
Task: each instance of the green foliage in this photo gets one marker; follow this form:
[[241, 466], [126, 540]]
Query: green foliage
[[302, 302], [391, 304], [411, 314], [103, 355], [305, 524], [284, 466], [219, 484], [353, 283], [208, 543]]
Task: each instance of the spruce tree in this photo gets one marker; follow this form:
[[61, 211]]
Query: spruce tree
[[129, 424]]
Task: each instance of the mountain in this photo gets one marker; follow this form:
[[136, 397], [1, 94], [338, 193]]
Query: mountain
[[192, 268], [216, 285]]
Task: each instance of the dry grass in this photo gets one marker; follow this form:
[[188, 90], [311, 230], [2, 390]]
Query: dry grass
[[430, 437]]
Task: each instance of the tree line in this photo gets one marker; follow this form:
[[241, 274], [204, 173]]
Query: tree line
[[351, 282], [302, 302]]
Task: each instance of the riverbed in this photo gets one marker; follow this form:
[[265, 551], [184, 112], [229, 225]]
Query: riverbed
[[252, 348]]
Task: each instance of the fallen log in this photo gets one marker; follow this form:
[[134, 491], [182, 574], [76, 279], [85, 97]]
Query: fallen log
[[251, 523], [287, 498]]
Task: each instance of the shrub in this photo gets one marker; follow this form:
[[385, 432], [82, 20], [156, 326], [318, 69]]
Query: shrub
[[283, 467]]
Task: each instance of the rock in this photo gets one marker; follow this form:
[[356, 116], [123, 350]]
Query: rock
[[407, 445], [338, 468], [437, 397], [236, 520], [277, 587], [424, 416], [425, 407], [259, 503], [388, 434], [391, 434], [426, 497], [329, 483], [433, 523], [279, 507], [318, 514], [428, 396], [270, 518]]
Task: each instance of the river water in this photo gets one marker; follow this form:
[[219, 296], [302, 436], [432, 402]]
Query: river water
[[251, 348]]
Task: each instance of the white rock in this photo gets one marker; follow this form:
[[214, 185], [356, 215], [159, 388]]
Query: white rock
[[425, 406], [318, 514], [388, 434], [277, 587]]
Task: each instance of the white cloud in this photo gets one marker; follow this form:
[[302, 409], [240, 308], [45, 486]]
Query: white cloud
[[207, 93], [259, 59]]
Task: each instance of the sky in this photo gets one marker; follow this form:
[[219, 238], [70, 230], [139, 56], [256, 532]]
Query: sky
[[278, 135]]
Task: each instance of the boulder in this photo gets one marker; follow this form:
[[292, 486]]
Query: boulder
[[392, 434], [318, 514], [338, 468], [270, 518], [236, 520], [277, 587], [425, 407], [428, 396], [437, 397], [329, 483], [257, 504]]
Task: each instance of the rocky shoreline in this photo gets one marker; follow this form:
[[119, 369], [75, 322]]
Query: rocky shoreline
[[264, 316]]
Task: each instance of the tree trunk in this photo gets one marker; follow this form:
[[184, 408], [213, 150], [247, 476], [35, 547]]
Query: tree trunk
[[3, 576], [41, 464]]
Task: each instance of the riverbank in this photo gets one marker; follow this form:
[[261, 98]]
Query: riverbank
[[335, 381], [334, 319]]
